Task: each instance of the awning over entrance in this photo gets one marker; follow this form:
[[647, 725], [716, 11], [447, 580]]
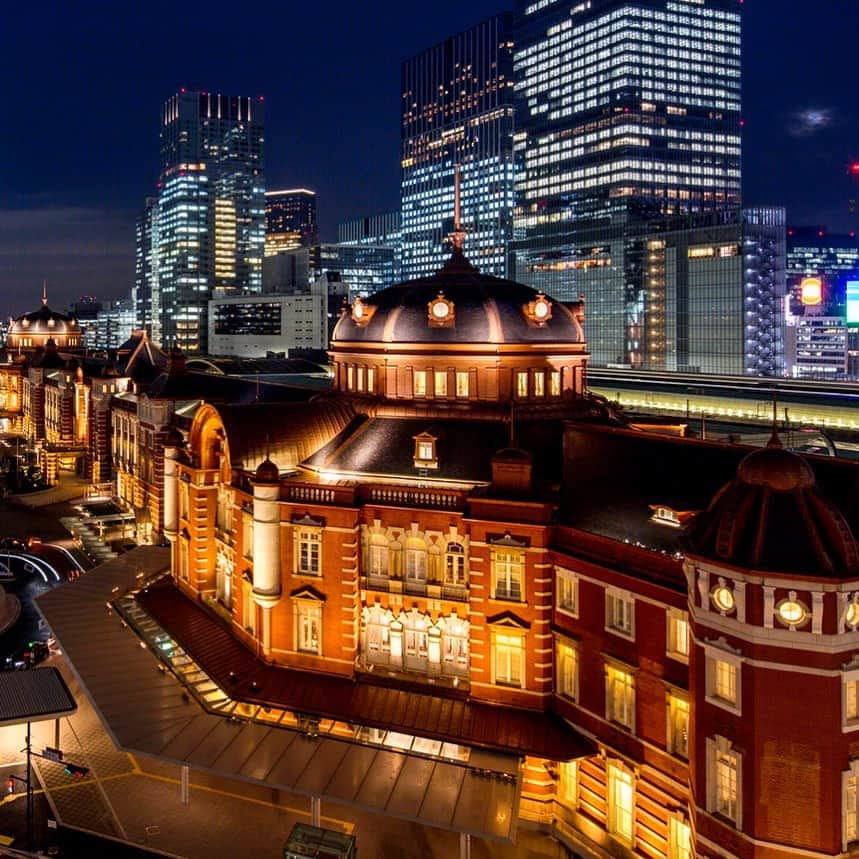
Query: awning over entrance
[[147, 710], [33, 696]]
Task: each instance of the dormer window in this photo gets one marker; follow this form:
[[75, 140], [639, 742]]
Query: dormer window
[[425, 451], [665, 516]]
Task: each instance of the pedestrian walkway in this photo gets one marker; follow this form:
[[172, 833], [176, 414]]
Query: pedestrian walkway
[[69, 488]]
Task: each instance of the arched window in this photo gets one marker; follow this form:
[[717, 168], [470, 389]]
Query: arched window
[[377, 635], [378, 557]]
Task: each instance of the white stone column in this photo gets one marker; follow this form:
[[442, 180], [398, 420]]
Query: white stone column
[[171, 493], [266, 557]]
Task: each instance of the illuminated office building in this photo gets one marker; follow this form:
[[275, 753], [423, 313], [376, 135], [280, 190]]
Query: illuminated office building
[[626, 112], [290, 220], [457, 107], [206, 229], [814, 252], [381, 231], [141, 293]]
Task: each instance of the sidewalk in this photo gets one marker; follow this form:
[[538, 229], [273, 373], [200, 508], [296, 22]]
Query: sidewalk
[[140, 800], [68, 489]]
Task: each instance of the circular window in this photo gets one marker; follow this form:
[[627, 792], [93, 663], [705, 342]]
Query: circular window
[[851, 616], [723, 598], [791, 612], [440, 309]]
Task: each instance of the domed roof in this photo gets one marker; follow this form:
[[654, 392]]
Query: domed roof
[[772, 517], [458, 304], [44, 321], [267, 472]]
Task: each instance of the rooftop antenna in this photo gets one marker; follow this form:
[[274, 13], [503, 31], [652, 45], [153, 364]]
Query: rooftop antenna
[[457, 237], [45, 293]]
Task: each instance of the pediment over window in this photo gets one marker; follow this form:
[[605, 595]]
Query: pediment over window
[[509, 620], [308, 593], [508, 540], [308, 520]]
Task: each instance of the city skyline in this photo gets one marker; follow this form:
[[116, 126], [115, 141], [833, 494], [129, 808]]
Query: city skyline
[[67, 212]]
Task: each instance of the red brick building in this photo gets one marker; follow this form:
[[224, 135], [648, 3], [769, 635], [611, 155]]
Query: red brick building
[[663, 630]]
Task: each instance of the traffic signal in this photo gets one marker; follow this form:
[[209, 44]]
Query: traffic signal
[[75, 770]]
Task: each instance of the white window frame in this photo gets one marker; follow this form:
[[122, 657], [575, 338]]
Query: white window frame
[[620, 606], [506, 678], [679, 831], [620, 694], [439, 383], [677, 646], [308, 611], [677, 702], [455, 572], [462, 384], [620, 821], [568, 784], [567, 592], [567, 668], [308, 536], [720, 752], [850, 805], [850, 700], [718, 661], [422, 375], [510, 563]]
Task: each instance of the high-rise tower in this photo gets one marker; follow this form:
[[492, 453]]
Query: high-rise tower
[[290, 220], [628, 111], [207, 227], [457, 107]]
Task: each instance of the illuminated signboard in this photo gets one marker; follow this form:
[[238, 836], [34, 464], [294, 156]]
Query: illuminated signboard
[[811, 291], [853, 302]]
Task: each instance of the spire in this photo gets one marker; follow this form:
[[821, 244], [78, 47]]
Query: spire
[[774, 441], [457, 237], [45, 293]]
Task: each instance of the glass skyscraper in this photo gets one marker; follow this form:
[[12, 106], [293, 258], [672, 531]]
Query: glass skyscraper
[[290, 220], [457, 107], [206, 230], [380, 231], [628, 111]]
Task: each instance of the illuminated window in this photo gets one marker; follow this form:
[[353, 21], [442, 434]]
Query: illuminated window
[[723, 597], [566, 670], [308, 550], [568, 787], [425, 451], [851, 698], [440, 383], [723, 784], [378, 558], [454, 646], [508, 657], [522, 384], [791, 612], [371, 379], [621, 802], [360, 378], [678, 725], [555, 383], [416, 562], [677, 623], [462, 386], [248, 608], [308, 626], [723, 675], [508, 566], [850, 803], [350, 378], [620, 696], [679, 839], [454, 565], [539, 383], [415, 641], [420, 383], [378, 635], [620, 613], [567, 591], [247, 535]]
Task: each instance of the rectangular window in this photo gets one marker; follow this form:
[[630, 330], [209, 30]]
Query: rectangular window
[[440, 383], [567, 593], [620, 613], [309, 549], [508, 657], [568, 787], [851, 807], [678, 634], [309, 616], [350, 378], [620, 696], [679, 839], [726, 784], [507, 573], [360, 378], [851, 700], [621, 802], [678, 725], [566, 670], [539, 383], [555, 383], [378, 560], [247, 536], [724, 681], [462, 383], [420, 383], [416, 566], [371, 379], [522, 384]]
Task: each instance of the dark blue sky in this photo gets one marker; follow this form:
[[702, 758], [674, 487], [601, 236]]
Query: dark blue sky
[[84, 83]]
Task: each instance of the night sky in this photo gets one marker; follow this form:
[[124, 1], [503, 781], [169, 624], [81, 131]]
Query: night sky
[[84, 83]]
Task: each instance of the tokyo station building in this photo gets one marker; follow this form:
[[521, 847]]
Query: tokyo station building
[[460, 554]]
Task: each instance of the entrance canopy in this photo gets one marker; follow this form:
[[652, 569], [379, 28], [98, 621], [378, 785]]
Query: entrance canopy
[[33, 696]]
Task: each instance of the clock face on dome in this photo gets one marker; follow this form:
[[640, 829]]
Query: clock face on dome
[[541, 308], [440, 312]]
